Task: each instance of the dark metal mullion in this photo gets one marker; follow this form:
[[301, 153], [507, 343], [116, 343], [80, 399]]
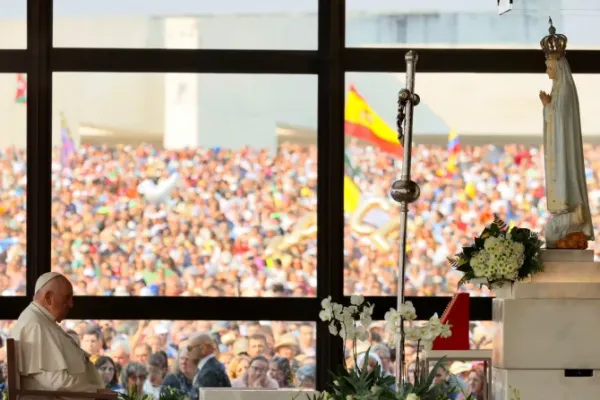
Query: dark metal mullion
[[480, 307], [14, 61], [234, 308], [11, 307], [465, 60], [196, 308], [182, 60], [330, 193], [39, 139]]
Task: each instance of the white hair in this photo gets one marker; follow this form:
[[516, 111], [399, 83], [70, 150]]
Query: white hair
[[120, 345]]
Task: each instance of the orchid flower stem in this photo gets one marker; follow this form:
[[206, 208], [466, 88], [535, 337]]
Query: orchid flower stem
[[354, 350], [418, 365], [344, 350], [401, 379]]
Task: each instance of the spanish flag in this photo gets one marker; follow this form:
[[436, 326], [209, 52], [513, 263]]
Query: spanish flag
[[453, 150], [363, 123], [352, 193]]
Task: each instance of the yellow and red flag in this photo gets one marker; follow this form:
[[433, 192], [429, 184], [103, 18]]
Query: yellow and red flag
[[453, 151], [363, 123]]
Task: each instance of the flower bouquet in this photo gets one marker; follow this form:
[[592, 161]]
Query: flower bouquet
[[360, 382], [499, 255], [166, 393]]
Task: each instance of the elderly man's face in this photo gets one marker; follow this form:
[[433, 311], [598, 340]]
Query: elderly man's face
[[198, 349], [120, 356], [60, 300]]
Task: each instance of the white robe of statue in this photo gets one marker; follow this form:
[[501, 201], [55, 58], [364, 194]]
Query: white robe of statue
[[566, 188], [49, 359]]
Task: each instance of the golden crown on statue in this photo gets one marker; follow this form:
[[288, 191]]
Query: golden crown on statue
[[555, 44]]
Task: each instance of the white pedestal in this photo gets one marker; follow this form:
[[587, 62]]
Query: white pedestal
[[546, 326], [252, 394], [548, 384]]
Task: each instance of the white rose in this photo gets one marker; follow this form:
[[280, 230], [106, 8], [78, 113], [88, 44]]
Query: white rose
[[412, 396]]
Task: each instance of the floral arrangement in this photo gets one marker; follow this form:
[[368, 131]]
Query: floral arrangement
[[352, 322], [132, 394], [500, 254], [166, 393]]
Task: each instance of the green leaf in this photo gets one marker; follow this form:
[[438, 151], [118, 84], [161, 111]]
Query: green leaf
[[453, 262], [499, 223]]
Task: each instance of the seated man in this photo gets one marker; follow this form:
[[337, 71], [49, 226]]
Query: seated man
[[50, 359]]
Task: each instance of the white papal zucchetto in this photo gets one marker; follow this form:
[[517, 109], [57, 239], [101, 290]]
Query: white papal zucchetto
[[44, 279]]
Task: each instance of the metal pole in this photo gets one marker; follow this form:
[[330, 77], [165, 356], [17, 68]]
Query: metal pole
[[405, 191]]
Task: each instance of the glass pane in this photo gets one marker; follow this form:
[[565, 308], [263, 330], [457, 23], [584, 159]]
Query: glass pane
[[13, 184], [5, 326], [379, 342], [237, 342], [13, 26], [183, 184], [499, 169], [412, 23], [187, 24]]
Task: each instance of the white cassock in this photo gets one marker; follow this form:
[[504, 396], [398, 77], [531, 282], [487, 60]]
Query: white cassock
[[49, 359]]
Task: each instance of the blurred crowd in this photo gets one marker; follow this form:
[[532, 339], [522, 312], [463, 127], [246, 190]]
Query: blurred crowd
[[215, 230], [212, 233], [154, 355]]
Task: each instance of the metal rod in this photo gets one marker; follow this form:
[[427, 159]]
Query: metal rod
[[405, 191]]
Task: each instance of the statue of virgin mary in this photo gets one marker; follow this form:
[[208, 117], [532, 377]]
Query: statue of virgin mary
[[570, 225]]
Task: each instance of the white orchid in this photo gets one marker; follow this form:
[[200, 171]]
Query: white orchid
[[357, 300], [413, 333], [392, 320], [366, 316], [408, 312], [333, 329], [326, 313], [394, 317], [351, 322]]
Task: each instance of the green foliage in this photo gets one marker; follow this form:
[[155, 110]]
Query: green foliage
[[530, 240], [359, 384], [134, 395], [170, 393], [425, 389], [514, 393]]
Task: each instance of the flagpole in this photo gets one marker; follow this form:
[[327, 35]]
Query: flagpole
[[405, 191]]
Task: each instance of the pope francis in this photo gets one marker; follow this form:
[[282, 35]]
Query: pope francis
[[49, 359]]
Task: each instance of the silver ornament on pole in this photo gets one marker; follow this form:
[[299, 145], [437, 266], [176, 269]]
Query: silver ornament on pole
[[405, 191]]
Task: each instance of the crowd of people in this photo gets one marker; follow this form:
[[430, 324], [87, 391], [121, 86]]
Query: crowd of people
[[151, 357], [215, 231], [154, 355]]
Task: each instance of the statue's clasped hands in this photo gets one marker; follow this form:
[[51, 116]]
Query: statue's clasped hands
[[545, 97]]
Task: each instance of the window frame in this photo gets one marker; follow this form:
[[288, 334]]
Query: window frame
[[329, 62]]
